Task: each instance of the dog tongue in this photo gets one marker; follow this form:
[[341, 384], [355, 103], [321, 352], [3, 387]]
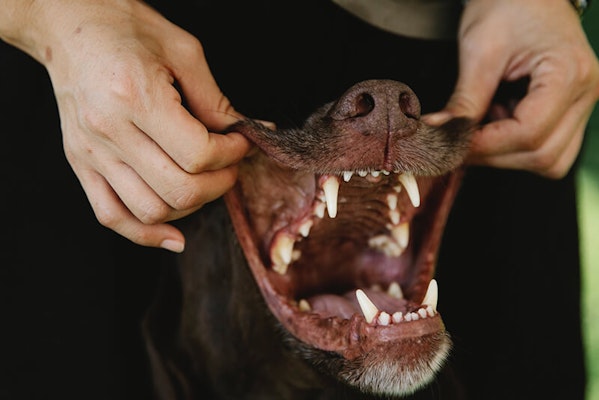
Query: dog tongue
[[346, 305]]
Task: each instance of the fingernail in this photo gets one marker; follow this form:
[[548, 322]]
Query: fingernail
[[173, 245]]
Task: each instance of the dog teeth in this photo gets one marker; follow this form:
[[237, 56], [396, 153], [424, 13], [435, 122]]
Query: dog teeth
[[401, 234], [409, 182], [374, 316], [367, 306], [392, 199], [347, 175], [281, 253], [304, 305], [432, 295], [304, 228], [319, 208], [331, 190], [394, 290]]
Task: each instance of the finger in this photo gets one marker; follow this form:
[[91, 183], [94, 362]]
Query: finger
[[179, 189], [186, 140], [554, 157], [534, 119], [113, 214], [480, 71]]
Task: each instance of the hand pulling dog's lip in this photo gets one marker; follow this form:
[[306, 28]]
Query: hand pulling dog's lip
[[366, 146]]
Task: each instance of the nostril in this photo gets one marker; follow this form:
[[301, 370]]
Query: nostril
[[364, 105], [409, 106]]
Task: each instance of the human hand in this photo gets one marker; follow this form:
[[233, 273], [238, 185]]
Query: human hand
[[511, 39], [141, 157]]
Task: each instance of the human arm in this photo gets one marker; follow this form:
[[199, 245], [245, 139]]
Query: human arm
[[142, 158], [511, 39]]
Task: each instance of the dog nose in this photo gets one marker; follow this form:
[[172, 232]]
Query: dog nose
[[379, 100]]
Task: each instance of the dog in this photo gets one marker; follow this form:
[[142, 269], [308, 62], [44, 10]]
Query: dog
[[313, 278]]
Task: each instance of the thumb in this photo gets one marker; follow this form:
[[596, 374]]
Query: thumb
[[479, 76], [204, 98]]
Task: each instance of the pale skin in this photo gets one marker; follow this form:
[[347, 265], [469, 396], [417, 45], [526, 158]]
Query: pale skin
[[144, 160]]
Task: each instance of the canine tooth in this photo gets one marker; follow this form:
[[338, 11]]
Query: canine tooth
[[282, 253], [347, 175], [304, 305], [394, 290], [422, 312], [362, 173], [409, 182], [384, 319], [392, 201], [397, 317], [394, 216], [367, 306], [432, 295], [331, 189], [305, 227], [319, 209], [401, 233]]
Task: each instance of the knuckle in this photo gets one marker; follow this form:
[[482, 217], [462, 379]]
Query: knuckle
[[107, 218], [186, 197], [153, 212], [543, 163]]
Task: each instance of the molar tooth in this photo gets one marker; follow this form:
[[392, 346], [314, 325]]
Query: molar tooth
[[281, 253], [397, 317], [305, 227], [386, 245], [394, 290], [432, 295], [384, 319], [394, 216], [347, 175], [331, 189], [401, 233], [304, 305], [392, 201], [367, 306], [409, 182]]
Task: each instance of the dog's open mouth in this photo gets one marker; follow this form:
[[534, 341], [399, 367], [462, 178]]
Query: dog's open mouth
[[342, 239]]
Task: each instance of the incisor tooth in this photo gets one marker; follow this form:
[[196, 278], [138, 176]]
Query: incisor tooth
[[397, 317], [282, 253], [367, 306], [331, 189], [432, 295], [394, 290], [319, 209], [347, 175], [409, 182], [384, 319], [401, 233]]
